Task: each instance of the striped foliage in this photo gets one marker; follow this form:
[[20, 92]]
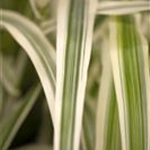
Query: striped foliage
[[122, 120]]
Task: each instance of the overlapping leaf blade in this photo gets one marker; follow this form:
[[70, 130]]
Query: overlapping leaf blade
[[107, 121]]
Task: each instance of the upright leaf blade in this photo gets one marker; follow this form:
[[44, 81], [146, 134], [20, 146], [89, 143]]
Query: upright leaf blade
[[74, 38], [129, 57]]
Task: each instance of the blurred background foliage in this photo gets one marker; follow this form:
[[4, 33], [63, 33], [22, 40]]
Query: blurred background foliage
[[18, 74]]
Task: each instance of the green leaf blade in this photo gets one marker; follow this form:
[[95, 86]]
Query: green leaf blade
[[128, 63]]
